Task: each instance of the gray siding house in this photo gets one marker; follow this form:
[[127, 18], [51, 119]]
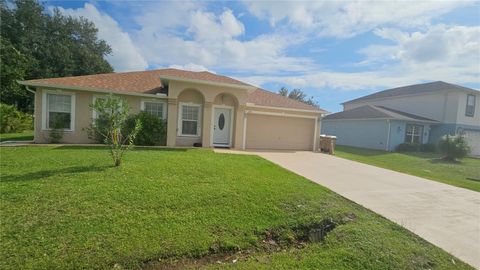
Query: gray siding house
[[420, 113]]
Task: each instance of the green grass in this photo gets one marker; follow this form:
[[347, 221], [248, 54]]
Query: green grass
[[21, 136], [68, 208], [465, 174]]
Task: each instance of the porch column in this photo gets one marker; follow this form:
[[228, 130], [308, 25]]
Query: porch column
[[239, 127], [172, 122], [207, 124]]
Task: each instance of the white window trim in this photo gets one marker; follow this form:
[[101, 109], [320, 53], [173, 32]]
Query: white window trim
[[94, 113], [44, 108], [415, 126], [164, 107], [180, 117], [474, 105]]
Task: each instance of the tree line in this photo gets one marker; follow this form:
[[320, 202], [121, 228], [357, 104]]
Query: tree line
[[37, 44]]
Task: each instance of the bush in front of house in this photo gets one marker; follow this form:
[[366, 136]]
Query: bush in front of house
[[428, 147], [12, 120], [153, 132], [453, 147]]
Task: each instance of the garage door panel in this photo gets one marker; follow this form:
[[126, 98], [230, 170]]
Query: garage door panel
[[279, 132], [473, 140]]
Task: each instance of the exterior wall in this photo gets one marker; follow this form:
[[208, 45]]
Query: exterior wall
[[211, 95], [438, 131], [83, 115], [358, 133], [461, 118], [428, 105]]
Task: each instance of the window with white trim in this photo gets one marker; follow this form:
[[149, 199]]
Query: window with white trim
[[470, 108], [155, 108], [190, 115], [59, 111], [94, 112], [414, 134]]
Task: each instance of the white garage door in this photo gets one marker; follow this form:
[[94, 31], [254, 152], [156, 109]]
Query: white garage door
[[279, 132], [473, 140]]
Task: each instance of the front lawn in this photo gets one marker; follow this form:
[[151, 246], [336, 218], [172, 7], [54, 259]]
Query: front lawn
[[21, 136], [68, 208], [465, 174]]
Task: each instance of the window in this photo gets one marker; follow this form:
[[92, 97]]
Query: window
[[94, 113], [414, 134], [470, 109], [190, 120], [59, 110], [154, 108]]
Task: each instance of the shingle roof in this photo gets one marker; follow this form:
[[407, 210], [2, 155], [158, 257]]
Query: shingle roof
[[149, 82], [376, 112], [266, 98], [411, 89]]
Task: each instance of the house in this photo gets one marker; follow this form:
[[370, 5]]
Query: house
[[420, 113], [200, 108]]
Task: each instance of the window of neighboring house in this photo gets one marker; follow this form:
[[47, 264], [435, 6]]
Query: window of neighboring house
[[470, 109], [190, 120], [414, 133], [59, 111], [155, 108]]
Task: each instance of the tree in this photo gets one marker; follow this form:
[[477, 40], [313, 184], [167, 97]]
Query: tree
[[299, 95], [453, 147], [46, 45], [110, 125]]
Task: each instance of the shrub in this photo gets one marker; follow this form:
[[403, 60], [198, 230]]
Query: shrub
[[453, 147], [428, 147], [13, 120], [153, 132], [407, 147], [113, 113]]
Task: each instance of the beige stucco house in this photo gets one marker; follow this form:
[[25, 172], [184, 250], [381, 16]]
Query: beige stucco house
[[200, 108]]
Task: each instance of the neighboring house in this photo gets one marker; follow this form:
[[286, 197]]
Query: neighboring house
[[420, 113], [200, 108]]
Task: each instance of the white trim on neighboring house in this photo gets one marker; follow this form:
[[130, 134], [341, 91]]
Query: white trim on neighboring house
[[252, 105], [315, 134], [164, 107], [232, 111], [387, 145], [180, 116], [44, 119]]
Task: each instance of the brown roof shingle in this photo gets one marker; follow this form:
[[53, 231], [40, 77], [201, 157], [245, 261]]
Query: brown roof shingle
[[149, 82]]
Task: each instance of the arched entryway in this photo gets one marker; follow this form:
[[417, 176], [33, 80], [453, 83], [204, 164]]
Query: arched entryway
[[190, 117]]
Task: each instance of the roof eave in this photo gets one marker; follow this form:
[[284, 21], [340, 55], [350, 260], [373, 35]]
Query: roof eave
[[90, 89]]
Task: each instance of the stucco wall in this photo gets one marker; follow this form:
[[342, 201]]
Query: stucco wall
[[462, 119], [83, 115]]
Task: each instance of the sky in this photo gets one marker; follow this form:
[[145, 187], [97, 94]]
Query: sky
[[335, 51]]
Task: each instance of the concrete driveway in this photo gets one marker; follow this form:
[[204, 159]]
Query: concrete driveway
[[444, 215]]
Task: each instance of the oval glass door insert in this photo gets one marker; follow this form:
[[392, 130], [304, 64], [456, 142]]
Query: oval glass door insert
[[221, 121]]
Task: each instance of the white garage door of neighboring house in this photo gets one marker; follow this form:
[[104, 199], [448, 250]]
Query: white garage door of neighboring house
[[473, 140], [279, 132]]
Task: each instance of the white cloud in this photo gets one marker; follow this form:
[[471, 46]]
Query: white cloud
[[349, 18], [192, 67], [125, 55]]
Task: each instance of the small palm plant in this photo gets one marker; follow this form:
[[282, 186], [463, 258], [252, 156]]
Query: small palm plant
[[453, 147], [110, 125]]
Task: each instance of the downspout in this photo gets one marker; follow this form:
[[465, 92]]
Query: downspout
[[244, 130], [388, 136], [29, 90]]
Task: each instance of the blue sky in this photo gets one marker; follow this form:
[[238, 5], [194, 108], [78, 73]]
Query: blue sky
[[333, 50]]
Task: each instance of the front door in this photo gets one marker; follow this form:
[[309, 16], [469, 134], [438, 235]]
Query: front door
[[221, 126]]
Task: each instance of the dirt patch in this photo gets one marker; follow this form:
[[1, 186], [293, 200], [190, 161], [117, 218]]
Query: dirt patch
[[271, 240]]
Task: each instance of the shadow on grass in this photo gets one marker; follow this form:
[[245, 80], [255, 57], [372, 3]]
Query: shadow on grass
[[47, 173], [20, 138], [445, 161], [135, 148]]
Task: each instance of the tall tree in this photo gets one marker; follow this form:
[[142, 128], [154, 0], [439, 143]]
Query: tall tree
[[297, 94], [46, 45]]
